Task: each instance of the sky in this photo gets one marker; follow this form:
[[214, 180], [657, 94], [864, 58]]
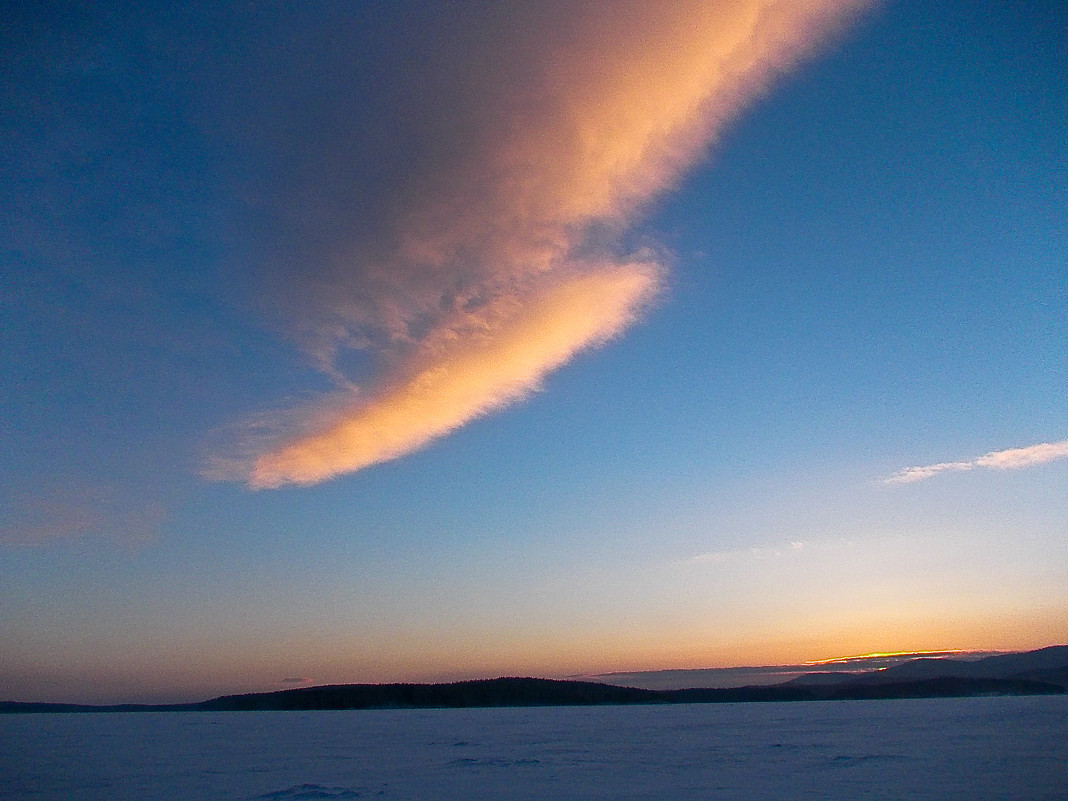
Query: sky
[[362, 342]]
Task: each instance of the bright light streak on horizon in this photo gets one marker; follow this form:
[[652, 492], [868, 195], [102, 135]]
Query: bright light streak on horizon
[[895, 654]]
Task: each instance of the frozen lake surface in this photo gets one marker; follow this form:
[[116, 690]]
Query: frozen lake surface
[[976, 748]]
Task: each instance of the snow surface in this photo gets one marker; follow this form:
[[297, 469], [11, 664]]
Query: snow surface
[[976, 748]]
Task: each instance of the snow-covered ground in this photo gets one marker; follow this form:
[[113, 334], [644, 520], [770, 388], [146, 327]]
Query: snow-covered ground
[[979, 748]]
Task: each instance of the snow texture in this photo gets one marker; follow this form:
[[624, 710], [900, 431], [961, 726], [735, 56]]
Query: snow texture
[[975, 749]]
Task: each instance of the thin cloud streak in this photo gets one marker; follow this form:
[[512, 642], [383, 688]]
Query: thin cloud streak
[[753, 552], [909, 475], [1009, 459], [475, 269]]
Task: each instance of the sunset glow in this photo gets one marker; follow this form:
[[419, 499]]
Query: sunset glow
[[372, 342]]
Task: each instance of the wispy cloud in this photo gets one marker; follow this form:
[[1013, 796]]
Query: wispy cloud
[[465, 237], [1015, 458], [919, 473], [1010, 459], [754, 552], [72, 510]]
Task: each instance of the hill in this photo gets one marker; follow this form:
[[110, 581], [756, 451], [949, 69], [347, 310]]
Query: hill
[[1041, 672], [1044, 665]]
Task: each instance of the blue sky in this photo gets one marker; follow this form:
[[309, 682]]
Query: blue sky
[[347, 346]]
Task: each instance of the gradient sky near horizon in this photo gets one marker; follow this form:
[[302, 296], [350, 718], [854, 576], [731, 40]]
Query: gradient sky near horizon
[[359, 342]]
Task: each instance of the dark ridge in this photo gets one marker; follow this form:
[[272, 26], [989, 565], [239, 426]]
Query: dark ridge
[[943, 687], [39, 706], [1043, 672], [946, 687], [481, 693], [1058, 676]]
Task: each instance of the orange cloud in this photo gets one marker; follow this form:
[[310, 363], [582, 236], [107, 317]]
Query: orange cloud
[[468, 377], [500, 256]]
